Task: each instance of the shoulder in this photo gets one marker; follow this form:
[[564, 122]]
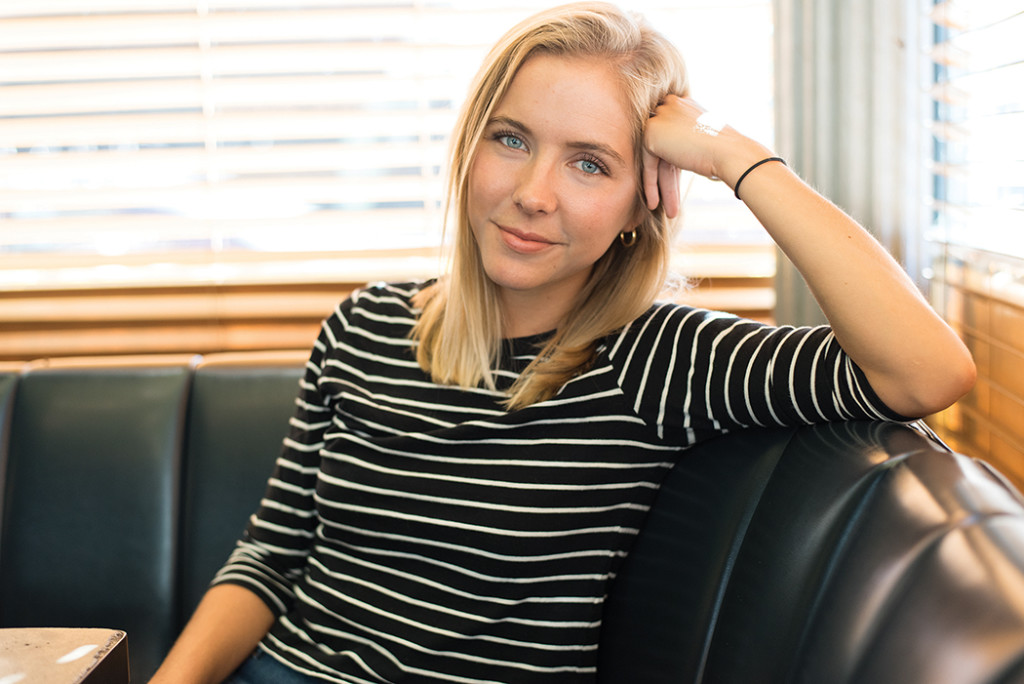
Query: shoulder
[[382, 310], [666, 323], [377, 300], [385, 295]]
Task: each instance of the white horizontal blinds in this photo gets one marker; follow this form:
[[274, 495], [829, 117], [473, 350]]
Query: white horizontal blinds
[[181, 125], [155, 126], [979, 116]]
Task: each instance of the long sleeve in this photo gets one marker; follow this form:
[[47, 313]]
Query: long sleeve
[[695, 372], [272, 552]]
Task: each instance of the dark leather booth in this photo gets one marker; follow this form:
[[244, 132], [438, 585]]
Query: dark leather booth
[[841, 553]]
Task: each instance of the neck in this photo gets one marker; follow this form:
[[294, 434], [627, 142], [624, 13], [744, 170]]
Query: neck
[[525, 315]]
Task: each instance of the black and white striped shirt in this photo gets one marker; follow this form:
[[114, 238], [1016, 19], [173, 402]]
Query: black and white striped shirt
[[415, 532]]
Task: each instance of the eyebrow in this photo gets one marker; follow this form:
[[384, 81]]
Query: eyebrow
[[579, 145]]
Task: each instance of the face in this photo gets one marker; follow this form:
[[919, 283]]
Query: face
[[554, 181]]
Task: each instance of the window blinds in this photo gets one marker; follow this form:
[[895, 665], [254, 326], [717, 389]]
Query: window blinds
[[162, 127], [978, 100], [181, 125]]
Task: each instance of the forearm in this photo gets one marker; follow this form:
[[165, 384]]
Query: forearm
[[225, 629], [913, 360]]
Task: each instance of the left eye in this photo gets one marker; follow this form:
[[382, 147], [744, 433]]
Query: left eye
[[588, 166], [512, 141]]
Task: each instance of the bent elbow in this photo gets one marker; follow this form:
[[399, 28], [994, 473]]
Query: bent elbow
[[963, 379], [947, 385]]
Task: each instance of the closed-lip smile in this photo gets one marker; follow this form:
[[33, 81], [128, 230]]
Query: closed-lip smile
[[523, 241]]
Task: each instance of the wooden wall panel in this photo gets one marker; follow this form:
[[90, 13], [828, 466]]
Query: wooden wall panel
[[982, 295], [78, 321]]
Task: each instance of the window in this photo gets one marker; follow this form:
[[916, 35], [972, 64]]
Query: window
[[979, 116], [159, 141], [976, 236]]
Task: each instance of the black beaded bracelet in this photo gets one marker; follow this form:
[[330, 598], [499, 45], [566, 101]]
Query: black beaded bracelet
[[736, 190]]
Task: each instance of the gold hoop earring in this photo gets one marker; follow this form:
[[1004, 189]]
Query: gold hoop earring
[[628, 239]]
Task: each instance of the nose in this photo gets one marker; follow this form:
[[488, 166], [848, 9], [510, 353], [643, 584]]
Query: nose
[[535, 188]]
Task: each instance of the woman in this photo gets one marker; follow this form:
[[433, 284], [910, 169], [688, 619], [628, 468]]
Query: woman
[[471, 458]]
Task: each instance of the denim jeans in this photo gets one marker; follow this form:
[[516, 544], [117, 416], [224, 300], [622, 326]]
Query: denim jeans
[[260, 668]]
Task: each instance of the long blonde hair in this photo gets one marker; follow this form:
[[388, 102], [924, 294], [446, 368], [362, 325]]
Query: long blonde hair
[[460, 329]]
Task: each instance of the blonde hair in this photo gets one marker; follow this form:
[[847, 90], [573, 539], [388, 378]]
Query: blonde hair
[[459, 331]]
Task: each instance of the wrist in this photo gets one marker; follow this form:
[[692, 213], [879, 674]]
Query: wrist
[[734, 161], [753, 167]]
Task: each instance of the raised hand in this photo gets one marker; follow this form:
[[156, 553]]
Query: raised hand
[[682, 135]]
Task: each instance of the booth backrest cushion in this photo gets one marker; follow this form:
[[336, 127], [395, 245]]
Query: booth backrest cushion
[[839, 553], [237, 417], [127, 487], [91, 502]]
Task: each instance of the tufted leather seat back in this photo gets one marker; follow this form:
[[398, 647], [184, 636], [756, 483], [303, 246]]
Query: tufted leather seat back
[[90, 502], [843, 553], [238, 414], [840, 553]]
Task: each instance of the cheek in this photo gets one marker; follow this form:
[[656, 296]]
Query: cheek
[[614, 210], [485, 183]]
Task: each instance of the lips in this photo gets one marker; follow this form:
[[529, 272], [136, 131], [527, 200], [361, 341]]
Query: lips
[[524, 242]]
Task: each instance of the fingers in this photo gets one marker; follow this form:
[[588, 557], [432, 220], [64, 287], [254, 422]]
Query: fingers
[[661, 184], [668, 183], [660, 177], [651, 175]]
